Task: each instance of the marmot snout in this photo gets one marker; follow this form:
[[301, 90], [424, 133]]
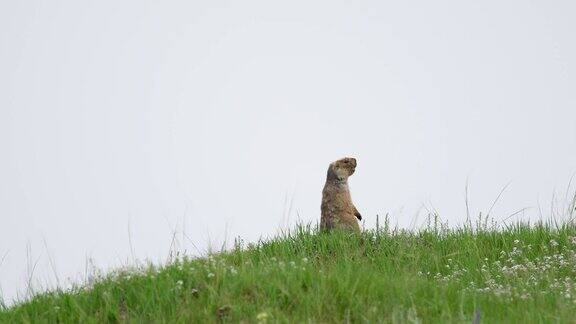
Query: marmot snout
[[337, 208]]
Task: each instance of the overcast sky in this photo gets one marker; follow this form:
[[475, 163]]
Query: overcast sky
[[124, 121]]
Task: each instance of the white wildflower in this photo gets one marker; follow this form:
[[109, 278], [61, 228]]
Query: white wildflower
[[262, 317], [553, 243]]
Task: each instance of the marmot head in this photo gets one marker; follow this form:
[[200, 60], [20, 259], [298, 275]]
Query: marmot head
[[341, 169]]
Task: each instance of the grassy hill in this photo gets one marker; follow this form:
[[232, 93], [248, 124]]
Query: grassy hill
[[521, 273]]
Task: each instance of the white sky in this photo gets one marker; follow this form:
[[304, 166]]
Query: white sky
[[148, 117]]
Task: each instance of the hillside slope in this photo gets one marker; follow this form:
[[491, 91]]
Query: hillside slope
[[522, 273]]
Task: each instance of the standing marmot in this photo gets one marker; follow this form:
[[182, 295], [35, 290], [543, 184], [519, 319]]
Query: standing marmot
[[337, 208]]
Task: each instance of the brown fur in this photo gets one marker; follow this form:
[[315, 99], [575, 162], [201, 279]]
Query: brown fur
[[337, 208]]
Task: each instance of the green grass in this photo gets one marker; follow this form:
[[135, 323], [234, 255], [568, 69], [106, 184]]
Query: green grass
[[518, 274]]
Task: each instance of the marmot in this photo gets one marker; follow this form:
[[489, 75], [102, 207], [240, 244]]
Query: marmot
[[337, 208]]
